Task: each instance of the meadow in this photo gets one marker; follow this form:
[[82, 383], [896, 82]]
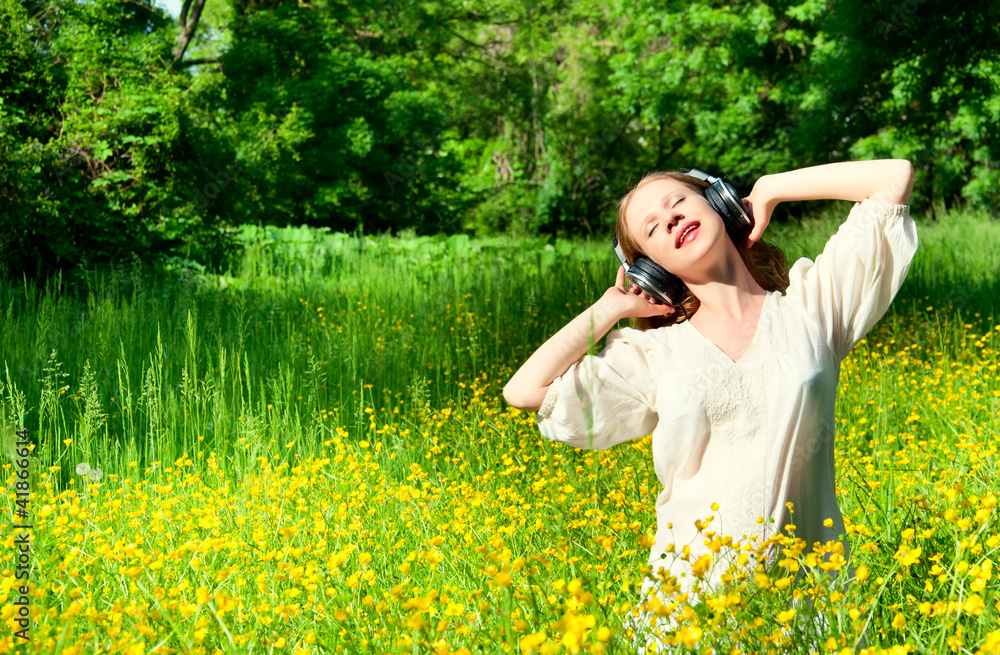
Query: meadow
[[311, 454]]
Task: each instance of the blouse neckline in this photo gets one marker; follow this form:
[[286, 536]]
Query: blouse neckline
[[719, 353]]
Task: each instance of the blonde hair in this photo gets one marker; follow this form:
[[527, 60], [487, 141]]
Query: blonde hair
[[765, 261]]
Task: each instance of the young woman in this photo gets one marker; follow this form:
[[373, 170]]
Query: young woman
[[737, 384]]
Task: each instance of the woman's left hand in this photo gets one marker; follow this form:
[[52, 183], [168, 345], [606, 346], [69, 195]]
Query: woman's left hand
[[760, 204]]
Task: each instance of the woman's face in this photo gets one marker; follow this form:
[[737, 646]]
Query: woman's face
[[676, 227]]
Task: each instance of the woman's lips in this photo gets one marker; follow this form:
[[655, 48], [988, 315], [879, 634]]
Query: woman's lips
[[690, 230]]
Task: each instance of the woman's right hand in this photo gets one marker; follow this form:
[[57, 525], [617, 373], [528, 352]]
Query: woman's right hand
[[527, 388], [633, 302], [760, 205]]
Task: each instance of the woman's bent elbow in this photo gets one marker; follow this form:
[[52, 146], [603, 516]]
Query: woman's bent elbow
[[897, 188], [521, 400]]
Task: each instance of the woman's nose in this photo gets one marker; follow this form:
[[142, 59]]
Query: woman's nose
[[673, 220]]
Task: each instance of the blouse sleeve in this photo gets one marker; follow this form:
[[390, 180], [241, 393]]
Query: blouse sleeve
[[603, 399], [851, 284]]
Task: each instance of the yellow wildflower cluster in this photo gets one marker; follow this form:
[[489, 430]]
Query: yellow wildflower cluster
[[454, 527]]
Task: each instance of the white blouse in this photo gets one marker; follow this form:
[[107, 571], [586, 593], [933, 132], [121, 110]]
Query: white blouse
[[750, 435]]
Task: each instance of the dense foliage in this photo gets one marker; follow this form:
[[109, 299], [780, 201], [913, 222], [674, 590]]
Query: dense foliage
[[452, 116]]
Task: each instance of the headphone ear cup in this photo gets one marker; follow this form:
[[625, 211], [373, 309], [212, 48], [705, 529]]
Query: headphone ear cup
[[652, 269], [722, 203], [719, 205], [656, 280]]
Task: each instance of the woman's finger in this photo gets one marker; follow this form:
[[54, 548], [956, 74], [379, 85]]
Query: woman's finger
[[760, 210], [757, 232], [657, 309]]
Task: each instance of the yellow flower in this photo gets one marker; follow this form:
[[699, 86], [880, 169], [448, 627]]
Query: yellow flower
[[701, 565], [786, 616], [899, 622], [992, 643], [531, 642], [974, 605], [689, 636], [225, 602], [906, 556]]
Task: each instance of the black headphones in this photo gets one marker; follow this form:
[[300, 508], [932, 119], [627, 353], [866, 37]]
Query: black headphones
[[657, 281]]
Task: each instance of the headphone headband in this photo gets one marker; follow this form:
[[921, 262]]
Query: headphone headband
[[620, 254], [701, 175]]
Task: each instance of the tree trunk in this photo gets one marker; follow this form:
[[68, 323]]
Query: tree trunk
[[188, 23]]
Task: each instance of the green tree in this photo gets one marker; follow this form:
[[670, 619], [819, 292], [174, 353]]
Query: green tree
[[333, 126], [101, 140], [924, 84]]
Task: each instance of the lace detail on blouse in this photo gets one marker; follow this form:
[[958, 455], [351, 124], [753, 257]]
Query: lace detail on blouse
[[736, 401]]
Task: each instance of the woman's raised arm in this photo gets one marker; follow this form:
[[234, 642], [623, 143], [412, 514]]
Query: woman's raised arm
[[888, 180], [527, 387]]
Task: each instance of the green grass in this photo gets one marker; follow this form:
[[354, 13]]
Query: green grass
[[323, 346]]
